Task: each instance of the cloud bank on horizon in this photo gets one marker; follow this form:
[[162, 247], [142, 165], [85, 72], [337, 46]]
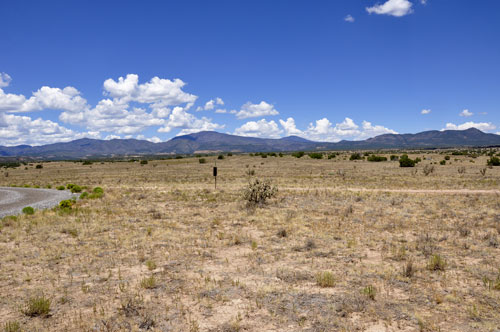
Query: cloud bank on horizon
[[129, 108]]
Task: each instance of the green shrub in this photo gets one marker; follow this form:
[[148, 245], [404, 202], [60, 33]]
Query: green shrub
[[375, 158], [442, 162], [332, 155], [355, 156], [28, 210], [315, 155], [69, 185], [39, 166], [405, 161], [221, 156], [148, 283], [84, 195], [87, 162], [447, 158], [179, 157], [144, 162], [258, 191], [394, 158], [229, 154], [263, 155], [298, 154], [60, 188], [325, 279], [98, 190], [76, 189], [65, 204], [37, 306], [202, 161], [493, 161], [280, 154]]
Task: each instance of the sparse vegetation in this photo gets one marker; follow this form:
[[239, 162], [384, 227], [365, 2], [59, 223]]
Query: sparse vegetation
[[259, 191], [325, 279], [37, 306], [28, 210]]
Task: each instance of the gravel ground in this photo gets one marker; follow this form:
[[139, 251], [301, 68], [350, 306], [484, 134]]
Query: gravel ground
[[13, 200]]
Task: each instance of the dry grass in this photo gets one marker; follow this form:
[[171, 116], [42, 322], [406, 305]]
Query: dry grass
[[162, 251]]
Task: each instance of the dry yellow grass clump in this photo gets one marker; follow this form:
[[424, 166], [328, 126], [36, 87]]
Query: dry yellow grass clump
[[343, 246]]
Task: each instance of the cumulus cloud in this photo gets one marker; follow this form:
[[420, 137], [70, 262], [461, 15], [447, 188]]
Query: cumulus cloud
[[396, 8], [425, 111], [261, 128], [221, 111], [11, 102], [483, 126], [179, 118], [349, 19], [323, 130], [16, 130], [4, 80], [466, 113], [290, 127], [250, 110]]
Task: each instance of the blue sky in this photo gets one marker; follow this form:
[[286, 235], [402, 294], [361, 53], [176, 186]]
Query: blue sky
[[324, 70]]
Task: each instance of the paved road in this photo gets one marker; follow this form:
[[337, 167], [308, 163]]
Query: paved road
[[13, 200]]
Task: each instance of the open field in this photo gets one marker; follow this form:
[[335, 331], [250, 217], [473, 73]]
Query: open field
[[344, 246]]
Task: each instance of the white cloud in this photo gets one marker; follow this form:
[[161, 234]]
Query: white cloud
[[110, 137], [349, 18], [423, 2], [4, 80], [425, 111], [483, 126], [15, 130], [324, 131], [153, 139], [290, 127], [11, 102], [221, 111], [180, 119], [210, 105], [250, 110], [219, 101], [261, 128], [396, 8], [466, 113]]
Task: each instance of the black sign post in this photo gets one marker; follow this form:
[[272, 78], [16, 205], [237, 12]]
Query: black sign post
[[215, 174]]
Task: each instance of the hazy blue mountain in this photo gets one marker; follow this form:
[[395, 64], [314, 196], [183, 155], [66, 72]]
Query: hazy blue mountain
[[210, 141]]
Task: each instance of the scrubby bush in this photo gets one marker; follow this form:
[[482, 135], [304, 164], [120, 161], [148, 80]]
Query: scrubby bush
[[87, 162], [28, 210], [394, 158], [442, 162], [202, 161], [447, 158], [39, 166], [332, 155], [355, 156], [405, 161], [428, 169], [298, 154], [97, 192], [375, 158], [65, 204], [76, 189], [315, 155], [258, 191], [229, 154], [60, 188], [84, 195], [144, 162], [69, 186], [37, 306], [436, 263], [493, 161], [221, 156], [325, 279]]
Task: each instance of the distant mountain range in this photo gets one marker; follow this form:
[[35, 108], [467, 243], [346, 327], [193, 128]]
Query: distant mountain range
[[210, 141]]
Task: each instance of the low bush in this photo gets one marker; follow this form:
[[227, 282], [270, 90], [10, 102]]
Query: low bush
[[325, 279], [405, 161], [202, 161], [258, 191], [355, 156], [442, 162], [493, 161], [332, 155], [221, 156], [144, 162], [315, 155], [37, 306], [39, 166], [436, 263], [375, 158], [65, 204], [84, 195], [76, 189], [370, 292], [298, 154], [28, 210], [61, 187]]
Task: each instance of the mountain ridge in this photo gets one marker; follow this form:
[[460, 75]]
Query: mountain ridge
[[211, 141]]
